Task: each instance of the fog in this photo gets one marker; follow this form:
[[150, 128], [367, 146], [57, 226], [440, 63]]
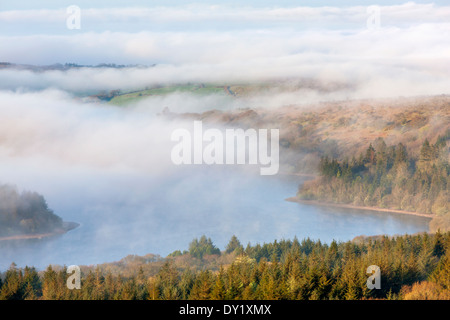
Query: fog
[[407, 53], [109, 168]]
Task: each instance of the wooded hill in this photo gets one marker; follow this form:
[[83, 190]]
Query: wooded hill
[[387, 177], [25, 213]]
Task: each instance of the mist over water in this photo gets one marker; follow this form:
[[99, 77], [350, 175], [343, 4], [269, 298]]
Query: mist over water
[[138, 214], [110, 170]]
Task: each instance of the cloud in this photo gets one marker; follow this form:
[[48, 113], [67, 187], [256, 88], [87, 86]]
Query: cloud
[[228, 14], [212, 34], [50, 125], [377, 63], [213, 43]]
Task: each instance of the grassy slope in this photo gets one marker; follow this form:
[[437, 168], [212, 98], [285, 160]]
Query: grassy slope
[[135, 96], [201, 89]]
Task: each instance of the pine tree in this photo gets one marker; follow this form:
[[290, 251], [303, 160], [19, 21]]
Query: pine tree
[[401, 154], [12, 286], [32, 284], [441, 275], [426, 152], [234, 246], [198, 248], [186, 283], [370, 155], [438, 249], [332, 253], [49, 285], [218, 291], [202, 286], [167, 280]]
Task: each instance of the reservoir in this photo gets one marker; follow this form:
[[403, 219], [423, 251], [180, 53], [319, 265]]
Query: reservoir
[[124, 212]]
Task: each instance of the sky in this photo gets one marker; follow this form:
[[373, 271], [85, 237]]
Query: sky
[[180, 31]]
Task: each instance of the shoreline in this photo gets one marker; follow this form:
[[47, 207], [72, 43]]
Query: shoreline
[[67, 226], [350, 206]]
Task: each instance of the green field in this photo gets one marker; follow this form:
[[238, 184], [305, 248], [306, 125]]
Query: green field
[[197, 89]]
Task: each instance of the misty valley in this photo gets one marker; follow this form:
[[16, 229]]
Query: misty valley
[[129, 196], [113, 190], [277, 150], [141, 215]]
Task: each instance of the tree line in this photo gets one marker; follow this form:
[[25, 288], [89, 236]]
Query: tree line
[[412, 267]]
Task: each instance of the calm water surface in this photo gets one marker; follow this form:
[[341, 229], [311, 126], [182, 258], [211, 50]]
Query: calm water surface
[[123, 214]]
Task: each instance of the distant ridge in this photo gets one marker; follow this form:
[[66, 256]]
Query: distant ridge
[[67, 66]]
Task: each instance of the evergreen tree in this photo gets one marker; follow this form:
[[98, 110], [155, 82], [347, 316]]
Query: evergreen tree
[[401, 154], [370, 155], [218, 292], [12, 286], [439, 248], [202, 286], [198, 248], [167, 280], [426, 152], [234, 246]]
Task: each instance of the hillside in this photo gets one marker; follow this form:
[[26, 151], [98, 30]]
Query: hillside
[[243, 90], [347, 127], [62, 67]]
